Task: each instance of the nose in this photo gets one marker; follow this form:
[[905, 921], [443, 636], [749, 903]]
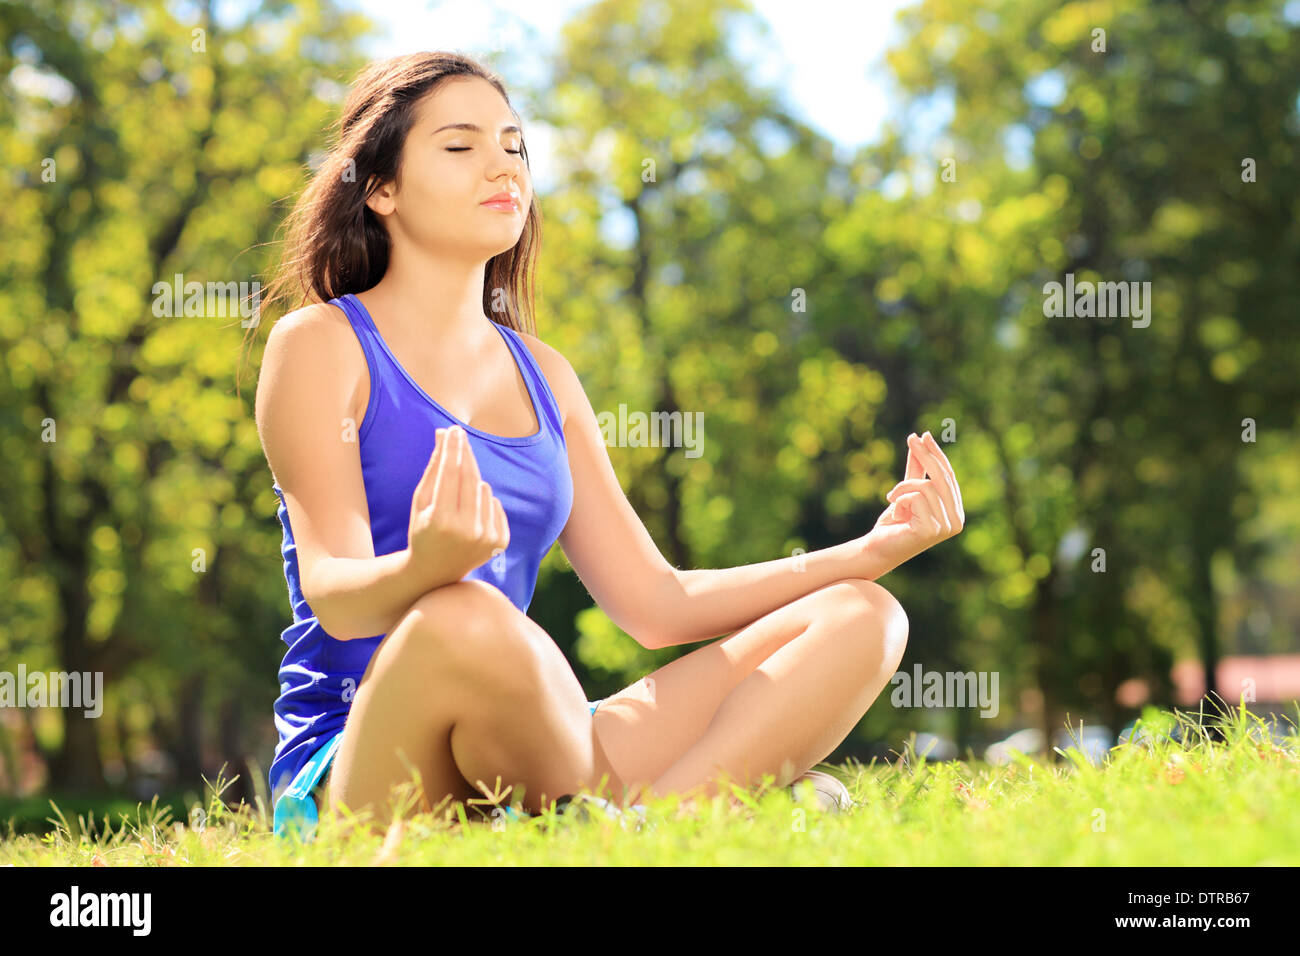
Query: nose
[[509, 165]]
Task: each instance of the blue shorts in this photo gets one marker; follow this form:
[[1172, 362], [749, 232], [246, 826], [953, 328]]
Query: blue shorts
[[297, 807]]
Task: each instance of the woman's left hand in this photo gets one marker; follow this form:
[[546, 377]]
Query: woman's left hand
[[923, 510]]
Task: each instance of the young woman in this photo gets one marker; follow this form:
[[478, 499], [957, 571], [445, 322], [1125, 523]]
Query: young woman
[[428, 450]]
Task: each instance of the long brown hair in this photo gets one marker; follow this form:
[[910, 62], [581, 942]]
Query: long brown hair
[[336, 244]]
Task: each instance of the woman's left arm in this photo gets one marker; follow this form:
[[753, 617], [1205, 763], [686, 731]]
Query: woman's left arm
[[662, 606], [925, 508], [706, 603]]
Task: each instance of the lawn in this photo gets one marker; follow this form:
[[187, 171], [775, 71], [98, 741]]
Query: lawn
[[1177, 794]]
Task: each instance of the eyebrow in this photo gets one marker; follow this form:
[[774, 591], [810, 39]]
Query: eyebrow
[[475, 129]]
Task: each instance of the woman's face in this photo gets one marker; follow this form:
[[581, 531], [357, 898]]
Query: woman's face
[[449, 171]]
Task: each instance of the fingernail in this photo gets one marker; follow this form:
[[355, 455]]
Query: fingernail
[[929, 436]]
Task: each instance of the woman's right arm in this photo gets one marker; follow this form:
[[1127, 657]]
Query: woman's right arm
[[304, 394]]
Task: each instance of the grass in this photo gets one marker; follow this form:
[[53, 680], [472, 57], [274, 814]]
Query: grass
[[1184, 791]]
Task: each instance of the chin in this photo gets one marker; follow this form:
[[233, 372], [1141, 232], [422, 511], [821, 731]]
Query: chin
[[498, 247]]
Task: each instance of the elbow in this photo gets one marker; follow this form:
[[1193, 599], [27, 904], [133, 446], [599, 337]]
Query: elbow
[[649, 616], [327, 617], [656, 638], [320, 607], [647, 629], [335, 628], [647, 634], [316, 606], [656, 634], [668, 611], [659, 623], [327, 623], [324, 616]]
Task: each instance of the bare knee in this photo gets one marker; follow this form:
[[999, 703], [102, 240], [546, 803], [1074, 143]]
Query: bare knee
[[867, 599], [469, 630]]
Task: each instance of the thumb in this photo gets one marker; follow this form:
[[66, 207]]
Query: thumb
[[905, 507]]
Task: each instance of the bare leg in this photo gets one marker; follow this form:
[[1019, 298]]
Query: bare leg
[[796, 706], [465, 688]]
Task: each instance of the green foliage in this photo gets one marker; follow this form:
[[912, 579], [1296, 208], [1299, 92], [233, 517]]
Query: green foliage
[[813, 311], [1094, 432], [137, 498]]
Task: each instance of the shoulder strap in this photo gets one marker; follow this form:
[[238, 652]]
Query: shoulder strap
[[365, 334], [550, 407]]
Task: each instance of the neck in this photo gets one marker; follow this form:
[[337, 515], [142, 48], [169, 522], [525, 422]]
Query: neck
[[435, 296]]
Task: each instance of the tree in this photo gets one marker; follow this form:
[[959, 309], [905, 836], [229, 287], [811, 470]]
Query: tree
[[1087, 433], [145, 147]]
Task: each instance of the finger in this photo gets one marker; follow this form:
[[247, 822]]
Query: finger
[[914, 467], [504, 523], [912, 484], [932, 508], [939, 475], [424, 488], [493, 524], [468, 469], [950, 477], [937, 447], [961, 507], [467, 491], [446, 489], [483, 491], [906, 507], [483, 512], [429, 480], [471, 460]]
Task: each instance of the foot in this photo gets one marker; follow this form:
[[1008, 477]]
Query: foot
[[585, 806], [829, 794]]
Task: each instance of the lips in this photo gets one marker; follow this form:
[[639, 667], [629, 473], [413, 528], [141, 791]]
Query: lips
[[502, 201]]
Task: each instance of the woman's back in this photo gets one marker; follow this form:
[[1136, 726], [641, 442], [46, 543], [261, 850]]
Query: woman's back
[[314, 444]]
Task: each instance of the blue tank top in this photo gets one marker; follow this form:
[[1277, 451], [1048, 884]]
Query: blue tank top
[[530, 474]]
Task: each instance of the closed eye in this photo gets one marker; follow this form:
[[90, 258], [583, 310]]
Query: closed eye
[[463, 149]]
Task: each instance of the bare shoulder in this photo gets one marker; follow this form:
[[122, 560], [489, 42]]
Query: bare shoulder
[[313, 350], [557, 369], [317, 320], [545, 353]]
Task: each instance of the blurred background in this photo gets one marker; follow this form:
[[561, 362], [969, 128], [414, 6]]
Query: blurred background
[[853, 213]]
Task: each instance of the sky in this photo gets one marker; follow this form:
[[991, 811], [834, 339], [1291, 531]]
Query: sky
[[815, 46]]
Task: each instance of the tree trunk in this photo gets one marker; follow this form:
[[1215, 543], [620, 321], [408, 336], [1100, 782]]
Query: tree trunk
[[124, 747], [676, 546], [188, 752], [231, 732], [76, 765], [12, 775], [1044, 635], [1205, 610]]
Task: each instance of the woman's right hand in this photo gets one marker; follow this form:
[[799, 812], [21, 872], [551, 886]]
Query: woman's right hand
[[456, 524]]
